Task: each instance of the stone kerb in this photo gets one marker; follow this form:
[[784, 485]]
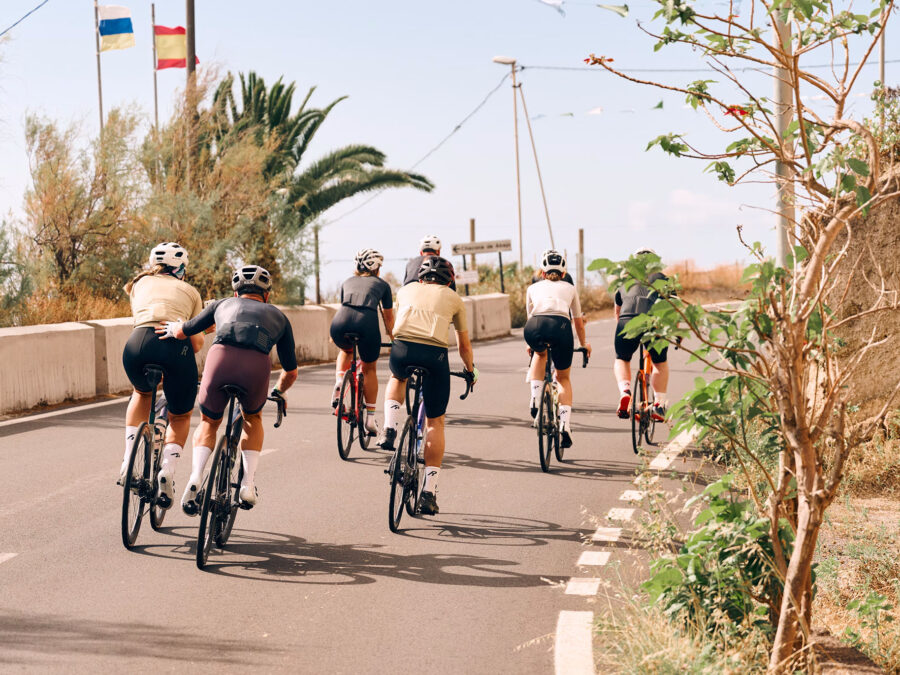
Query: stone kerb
[[492, 317], [46, 364]]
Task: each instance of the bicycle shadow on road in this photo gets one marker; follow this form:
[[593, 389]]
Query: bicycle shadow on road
[[35, 640], [285, 558]]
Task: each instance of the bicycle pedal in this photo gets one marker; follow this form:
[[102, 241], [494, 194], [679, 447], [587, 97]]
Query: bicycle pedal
[[245, 506], [163, 502]]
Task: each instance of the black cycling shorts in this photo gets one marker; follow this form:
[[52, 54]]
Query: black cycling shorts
[[176, 357], [626, 347], [363, 322], [555, 331], [436, 389]]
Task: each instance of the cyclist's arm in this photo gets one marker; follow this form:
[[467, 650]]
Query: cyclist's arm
[[464, 346], [286, 380], [388, 315], [197, 342], [202, 321]]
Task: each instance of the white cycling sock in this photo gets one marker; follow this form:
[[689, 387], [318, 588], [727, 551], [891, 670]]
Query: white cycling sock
[[536, 386], [171, 453], [130, 435], [393, 415], [250, 459], [431, 479], [659, 397], [624, 386], [565, 412], [201, 455]]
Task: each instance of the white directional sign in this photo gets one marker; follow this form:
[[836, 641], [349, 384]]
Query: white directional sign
[[466, 277], [482, 247]]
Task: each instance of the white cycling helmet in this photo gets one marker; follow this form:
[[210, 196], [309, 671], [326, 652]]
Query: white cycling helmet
[[430, 243], [553, 261], [368, 259], [169, 253], [251, 277], [643, 250]]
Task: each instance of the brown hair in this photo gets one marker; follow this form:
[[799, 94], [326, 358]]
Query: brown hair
[[152, 272], [551, 275]]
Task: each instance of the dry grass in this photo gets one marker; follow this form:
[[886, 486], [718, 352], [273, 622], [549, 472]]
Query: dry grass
[[874, 468], [857, 556], [59, 309], [722, 282]]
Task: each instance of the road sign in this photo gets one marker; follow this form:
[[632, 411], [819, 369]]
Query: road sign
[[482, 247], [466, 277]]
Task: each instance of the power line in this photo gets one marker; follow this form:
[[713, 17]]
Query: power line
[[24, 17], [428, 154]]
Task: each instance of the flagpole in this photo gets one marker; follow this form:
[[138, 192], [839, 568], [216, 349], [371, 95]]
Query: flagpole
[[97, 41], [155, 95]]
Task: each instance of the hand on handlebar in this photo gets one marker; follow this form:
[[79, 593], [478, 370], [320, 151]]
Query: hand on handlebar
[[281, 402], [587, 346]]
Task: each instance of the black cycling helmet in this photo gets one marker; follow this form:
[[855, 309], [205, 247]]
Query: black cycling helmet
[[437, 269]]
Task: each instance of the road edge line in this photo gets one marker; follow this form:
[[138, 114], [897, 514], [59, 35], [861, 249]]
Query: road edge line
[[573, 652]]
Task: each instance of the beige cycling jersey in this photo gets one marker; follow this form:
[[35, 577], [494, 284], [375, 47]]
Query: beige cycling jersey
[[554, 298], [162, 297], [425, 312]]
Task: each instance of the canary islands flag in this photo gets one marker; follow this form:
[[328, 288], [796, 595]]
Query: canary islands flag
[[171, 47], [116, 31]]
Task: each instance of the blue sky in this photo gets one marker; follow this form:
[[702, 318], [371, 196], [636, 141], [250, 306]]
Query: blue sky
[[412, 71]]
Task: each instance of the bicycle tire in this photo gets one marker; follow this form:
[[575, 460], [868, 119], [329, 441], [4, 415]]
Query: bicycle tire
[[416, 482], [545, 428], [399, 492], [232, 496], [558, 450], [650, 425], [637, 399], [135, 495], [363, 434], [346, 413], [157, 513], [205, 534]]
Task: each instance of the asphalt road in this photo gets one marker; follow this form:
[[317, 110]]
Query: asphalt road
[[312, 579]]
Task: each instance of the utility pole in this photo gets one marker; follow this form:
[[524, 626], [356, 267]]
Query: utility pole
[[511, 62], [784, 114], [99, 79], [190, 67], [472, 239], [537, 166], [580, 260], [318, 278]]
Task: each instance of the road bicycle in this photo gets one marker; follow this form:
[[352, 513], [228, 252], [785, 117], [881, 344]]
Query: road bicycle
[[407, 466], [351, 408], [547, 420], [642, 423], [140, 487], [219, 497]]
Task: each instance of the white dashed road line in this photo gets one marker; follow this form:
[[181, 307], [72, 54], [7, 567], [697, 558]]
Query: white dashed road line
[[620, 514], [607, 534], [593, 558], [574, 652], [631, 496], [664, 459], [7, 556], [64, 411], [583, 586]]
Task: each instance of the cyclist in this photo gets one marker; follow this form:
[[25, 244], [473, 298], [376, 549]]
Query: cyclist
[[425, 311], [549, 304], [361, 296], [429, 246], [635, 301], [159, 295], [247, 328]]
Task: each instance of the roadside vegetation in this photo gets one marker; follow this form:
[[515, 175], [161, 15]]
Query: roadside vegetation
[[231, 176], [786, 409]]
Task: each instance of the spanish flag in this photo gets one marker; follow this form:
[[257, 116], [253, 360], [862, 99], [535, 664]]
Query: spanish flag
[[171, 47]]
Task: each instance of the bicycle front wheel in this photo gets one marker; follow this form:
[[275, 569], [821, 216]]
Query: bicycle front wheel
[[400, 476], [138, 485], [346, 416], [157, 513], [637, 407], [230, 486], [650, 424], [416, 482], [209, 510], [546, 428]]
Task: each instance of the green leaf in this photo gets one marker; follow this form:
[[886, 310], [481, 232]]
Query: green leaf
[[621, 10], [863, 196], [859, 167]]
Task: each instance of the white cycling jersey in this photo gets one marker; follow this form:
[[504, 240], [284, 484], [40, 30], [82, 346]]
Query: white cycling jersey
[[552, 298]]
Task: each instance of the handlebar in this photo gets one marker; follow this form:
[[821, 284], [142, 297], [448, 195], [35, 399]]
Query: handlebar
[[467, 376], [387, 344], [584, 356], [282, 408]]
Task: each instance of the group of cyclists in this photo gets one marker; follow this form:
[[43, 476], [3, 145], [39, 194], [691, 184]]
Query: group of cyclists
[[170, 321]]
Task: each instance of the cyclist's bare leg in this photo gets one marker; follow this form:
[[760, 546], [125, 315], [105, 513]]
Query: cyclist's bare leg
[[204, 442], [138, 408], [394, 395], [565, 386], [434, 441], [622, 370], [205, 433], [395, 390], [660, 378], [370, 373], [179, 426], [342, 364], [538, 364], [252, 434]]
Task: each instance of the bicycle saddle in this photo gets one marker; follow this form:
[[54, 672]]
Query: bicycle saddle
[[234, 390], [413, 370], [352, 337], [153, 373]]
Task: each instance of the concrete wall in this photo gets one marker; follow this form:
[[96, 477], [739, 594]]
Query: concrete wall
[[46, 364], [52, 363]]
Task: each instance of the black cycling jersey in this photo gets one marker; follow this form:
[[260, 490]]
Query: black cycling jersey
[[249, 324], [412, 272], [639, 298], [365, 292]]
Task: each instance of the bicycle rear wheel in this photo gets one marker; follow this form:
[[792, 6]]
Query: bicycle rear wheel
[[361, 412], [417, 471], [400, 476], [230, 484], [558, 450], [637, 406], [138, 486], [157, 513], [209, 509], [346, 416], [545, 428], [650, 424]]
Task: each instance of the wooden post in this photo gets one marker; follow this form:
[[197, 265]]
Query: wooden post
[[464, 269], [318, 280], [99, 79], [580, 259], [472, 239], [500, 256]]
